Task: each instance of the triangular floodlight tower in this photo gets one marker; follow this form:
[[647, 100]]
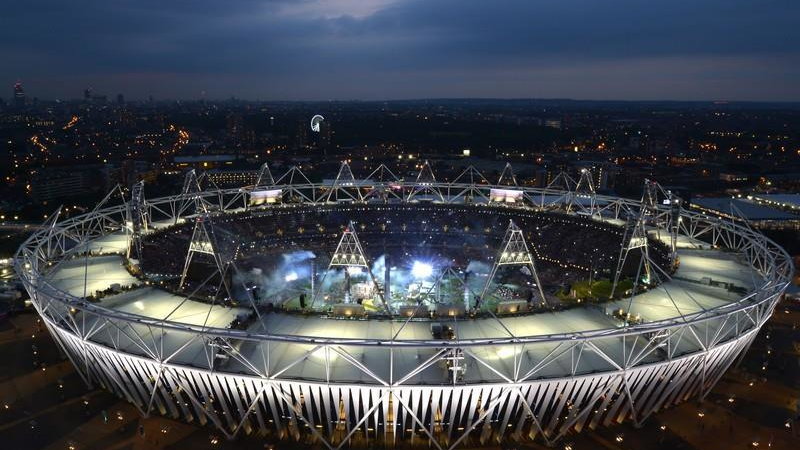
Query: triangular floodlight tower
[[264, 181], [650, 202], [635, 239], [191, 197], [650, 195], [350, 253], [214, 188], [206, 243], [584, 193], [562, 188], [507, 177], [382, 174], [203, 179], [470, 176], [344, 186], [469, 185], [514, 251], [264, 177], [507, 190], [382, 183], [138, 219], [662, 211], [425, 184], [673, 223], [648, 272], [191, 183], [293, 176], [297, 185]]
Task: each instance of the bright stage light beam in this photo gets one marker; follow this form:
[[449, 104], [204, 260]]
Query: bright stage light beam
[[355, 270], [421, 270], [291, 276]]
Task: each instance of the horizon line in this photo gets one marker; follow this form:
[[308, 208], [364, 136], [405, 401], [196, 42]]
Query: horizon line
[[110, 99]]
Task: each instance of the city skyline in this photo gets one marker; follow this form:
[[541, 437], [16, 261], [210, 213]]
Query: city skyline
[[384, 50]]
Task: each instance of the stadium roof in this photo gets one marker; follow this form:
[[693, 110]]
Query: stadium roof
[[791, 201], [738, 207]]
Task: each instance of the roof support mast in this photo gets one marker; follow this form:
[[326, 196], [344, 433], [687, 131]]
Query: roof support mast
[[634, 238], [138, 218], [349, 254], [205, 242], [514, 252]]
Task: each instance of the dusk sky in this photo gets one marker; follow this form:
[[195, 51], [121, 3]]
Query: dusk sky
[[396, 49]]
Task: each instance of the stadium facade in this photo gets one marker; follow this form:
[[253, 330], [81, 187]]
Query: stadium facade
[[336, 380]]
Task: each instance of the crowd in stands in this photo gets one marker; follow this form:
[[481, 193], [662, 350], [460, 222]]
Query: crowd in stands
[[566, 247]]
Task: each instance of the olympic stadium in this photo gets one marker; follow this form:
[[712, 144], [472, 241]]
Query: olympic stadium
[[373, 310]]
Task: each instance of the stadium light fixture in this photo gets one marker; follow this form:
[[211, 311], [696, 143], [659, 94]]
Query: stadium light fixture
[[421, 270], [355, 270]]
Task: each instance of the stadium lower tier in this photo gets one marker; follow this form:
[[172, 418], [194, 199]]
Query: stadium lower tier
[[447, 416]]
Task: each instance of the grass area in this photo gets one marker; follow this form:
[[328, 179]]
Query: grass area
[[598, 290]]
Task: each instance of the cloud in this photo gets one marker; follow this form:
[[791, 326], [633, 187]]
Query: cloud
[[405, 48]]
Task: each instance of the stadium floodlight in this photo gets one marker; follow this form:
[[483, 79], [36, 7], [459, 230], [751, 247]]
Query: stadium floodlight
[[421, 270], [315, 121], [355, 270]]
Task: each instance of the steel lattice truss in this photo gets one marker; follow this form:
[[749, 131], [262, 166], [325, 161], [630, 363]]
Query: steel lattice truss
[[514, 252], [574, 380]]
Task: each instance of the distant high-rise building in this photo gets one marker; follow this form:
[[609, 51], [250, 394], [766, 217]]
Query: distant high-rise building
[[74, 181], [301, 137], [87, 94], [120, 99], [235, 126], [19, 95], [234, 123], [325, 137]]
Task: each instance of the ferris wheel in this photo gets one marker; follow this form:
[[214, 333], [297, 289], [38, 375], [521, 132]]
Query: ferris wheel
[[315, 121]]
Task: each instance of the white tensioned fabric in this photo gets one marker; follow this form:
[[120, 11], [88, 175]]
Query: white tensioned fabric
[[445, 415], [574, 380]]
